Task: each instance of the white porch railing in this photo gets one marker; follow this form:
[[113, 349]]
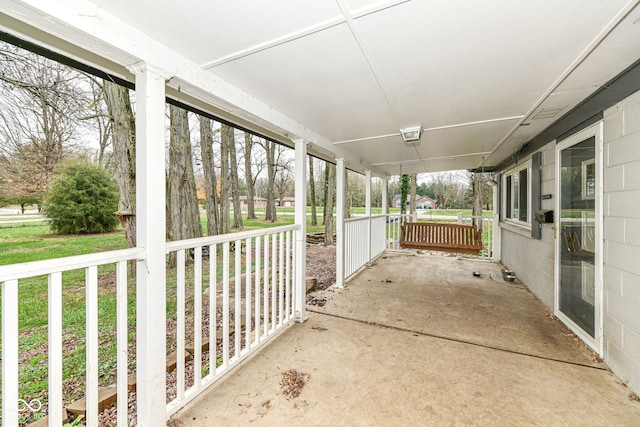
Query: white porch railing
[[394, 223], [364, 240], [232, 294], [486, 225], [10, 277], [251, 280]]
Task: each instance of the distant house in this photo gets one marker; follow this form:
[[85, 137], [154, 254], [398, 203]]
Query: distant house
[[422, 202], [258, 202], [286, 202]]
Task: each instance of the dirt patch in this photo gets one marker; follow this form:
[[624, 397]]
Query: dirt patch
[[321, 264], [293, 381]]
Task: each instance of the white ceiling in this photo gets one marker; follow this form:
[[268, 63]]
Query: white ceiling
[[354, 72]]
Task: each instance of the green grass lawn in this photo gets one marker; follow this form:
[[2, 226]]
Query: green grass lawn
[[32, 242]]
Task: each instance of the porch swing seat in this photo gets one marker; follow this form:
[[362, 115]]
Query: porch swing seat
[[456, 238]]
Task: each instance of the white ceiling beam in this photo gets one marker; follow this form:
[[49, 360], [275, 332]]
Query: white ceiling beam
[[371, 63], [452, 126], [275, 42]]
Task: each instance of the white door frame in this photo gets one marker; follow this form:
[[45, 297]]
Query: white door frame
[[596, 342]]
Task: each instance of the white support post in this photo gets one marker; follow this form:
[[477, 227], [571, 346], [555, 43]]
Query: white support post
[[340, 208], [151, 225], [385, 191], [367, 204], [495, 252], [301, 236], [10, 355]]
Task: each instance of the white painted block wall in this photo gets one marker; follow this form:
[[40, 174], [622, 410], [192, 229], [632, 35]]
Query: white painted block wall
[[621, 273], [532, 259]]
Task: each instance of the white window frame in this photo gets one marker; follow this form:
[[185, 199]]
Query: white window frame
[[515, 171]]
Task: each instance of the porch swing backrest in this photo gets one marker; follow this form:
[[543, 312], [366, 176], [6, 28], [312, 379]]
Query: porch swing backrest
[[457, 238]]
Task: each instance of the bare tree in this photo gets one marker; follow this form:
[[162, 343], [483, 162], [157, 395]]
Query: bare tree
[[183, 218], [210, 181], [270, 209], [312, 193], [41, 103], [248, 176], [123, 131], [226, 133], [412, 193], [283, 185], [233, 176], [476, 185], [328, 210], [101, 118], [447, 188]]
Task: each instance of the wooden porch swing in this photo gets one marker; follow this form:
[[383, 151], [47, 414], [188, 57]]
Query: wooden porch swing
[[456, 238]]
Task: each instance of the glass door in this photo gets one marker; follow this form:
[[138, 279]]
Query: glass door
[[578, 231]]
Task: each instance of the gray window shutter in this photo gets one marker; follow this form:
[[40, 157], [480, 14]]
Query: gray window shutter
[[536, 185]]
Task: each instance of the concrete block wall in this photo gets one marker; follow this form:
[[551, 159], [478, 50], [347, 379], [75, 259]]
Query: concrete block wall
[[532, 259], [621, 205]]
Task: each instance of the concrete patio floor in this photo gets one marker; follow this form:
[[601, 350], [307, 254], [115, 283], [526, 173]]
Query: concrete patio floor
[[418, 340]]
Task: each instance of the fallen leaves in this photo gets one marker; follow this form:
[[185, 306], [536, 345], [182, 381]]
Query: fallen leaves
[[293, 381], [317, 301]]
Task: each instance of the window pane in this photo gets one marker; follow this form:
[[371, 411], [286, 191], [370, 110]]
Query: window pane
[[508, 201], [516, 197], [524, 193]]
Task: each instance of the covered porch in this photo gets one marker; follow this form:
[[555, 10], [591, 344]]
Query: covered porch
[[380, 88], [417, 339]]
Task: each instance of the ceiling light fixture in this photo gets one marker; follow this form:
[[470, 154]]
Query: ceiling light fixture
[[411, 135]]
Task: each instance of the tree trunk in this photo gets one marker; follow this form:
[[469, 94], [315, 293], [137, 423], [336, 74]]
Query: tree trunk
[[270, 209], [312, 193], [226, 131], [327, 172], [412, 195], [477, 199], [328, 211], [210, 181], [124, 151], [248, 176], [349, 199], [404, 192], [233, 176], [183, 218]]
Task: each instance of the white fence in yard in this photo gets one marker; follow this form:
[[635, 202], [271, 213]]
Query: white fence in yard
[[233, 293]]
